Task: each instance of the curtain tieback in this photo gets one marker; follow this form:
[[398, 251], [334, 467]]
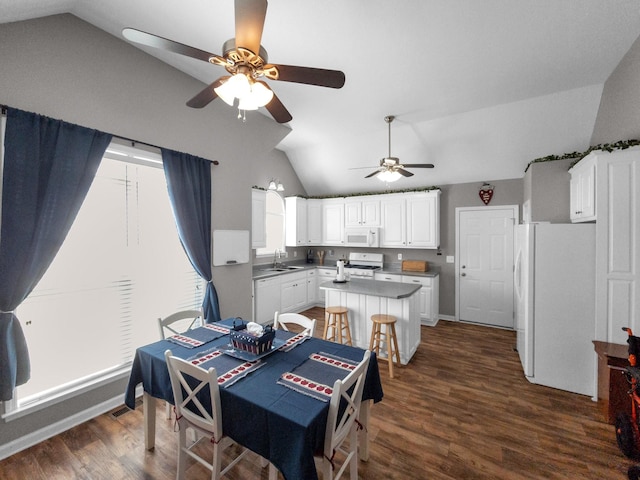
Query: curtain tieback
[[10, 311]]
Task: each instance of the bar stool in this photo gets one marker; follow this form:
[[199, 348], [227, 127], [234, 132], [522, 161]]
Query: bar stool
[[336, 318], [390, 339]]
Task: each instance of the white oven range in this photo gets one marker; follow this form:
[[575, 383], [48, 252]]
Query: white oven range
[[363, 265]]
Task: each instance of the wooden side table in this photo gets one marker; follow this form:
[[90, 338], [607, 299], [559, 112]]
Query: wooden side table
[[613, 387]]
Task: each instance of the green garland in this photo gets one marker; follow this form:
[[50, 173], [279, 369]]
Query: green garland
[[361, 194], [607, 147]]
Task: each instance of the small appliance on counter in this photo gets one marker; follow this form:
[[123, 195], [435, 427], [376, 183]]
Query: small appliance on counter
[[340, 277], [310, 255]]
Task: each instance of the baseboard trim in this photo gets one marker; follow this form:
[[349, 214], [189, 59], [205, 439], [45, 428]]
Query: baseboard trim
[[54, 429]]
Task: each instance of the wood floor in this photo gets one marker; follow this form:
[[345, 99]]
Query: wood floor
[[460, 410]]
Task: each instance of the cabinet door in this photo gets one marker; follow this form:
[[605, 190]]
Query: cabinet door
[[423, 221], [295, 222], [267, 299], [314, 221], [312, 286], [258, 218], [293, 293], [583, 191], [333, 223], [393, 222], [370, 212], [324, 275], [352, 213]]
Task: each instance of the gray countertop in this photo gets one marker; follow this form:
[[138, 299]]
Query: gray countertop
[[391, 269], [374, 288]]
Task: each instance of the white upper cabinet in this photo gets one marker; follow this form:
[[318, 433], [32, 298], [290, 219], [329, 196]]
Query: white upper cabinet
[[296, 222], [394, 221], [314, 221], [583, 190], [411, 220], [258, 218], [362, 211], [423, 225], [333, 222]]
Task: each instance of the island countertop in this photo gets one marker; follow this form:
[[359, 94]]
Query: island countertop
[[374, 288]]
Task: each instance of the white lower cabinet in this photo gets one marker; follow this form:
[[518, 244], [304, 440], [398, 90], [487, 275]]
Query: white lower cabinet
[[288, 292], [267, 299], [293, 292], [429, 297], [324, 275]]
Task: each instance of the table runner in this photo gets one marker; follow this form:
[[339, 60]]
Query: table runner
[[228, 369], [199, 336], [293, 342], [317, 374]]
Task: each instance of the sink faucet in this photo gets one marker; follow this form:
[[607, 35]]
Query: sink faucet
[[276, 258]]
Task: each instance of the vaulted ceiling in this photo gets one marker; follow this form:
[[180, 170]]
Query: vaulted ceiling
[[478, 88]]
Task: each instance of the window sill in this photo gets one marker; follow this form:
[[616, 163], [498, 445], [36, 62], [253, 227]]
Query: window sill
[[47, 400]]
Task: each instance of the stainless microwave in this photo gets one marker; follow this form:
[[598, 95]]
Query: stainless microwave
[[362, 237]]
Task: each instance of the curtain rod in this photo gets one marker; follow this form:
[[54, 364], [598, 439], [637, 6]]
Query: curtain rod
[[3, 109]]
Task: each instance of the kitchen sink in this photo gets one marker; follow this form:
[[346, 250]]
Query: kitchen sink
[[280, 269]]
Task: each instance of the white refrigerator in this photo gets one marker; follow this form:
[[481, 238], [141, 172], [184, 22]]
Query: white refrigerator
[[555, 302]]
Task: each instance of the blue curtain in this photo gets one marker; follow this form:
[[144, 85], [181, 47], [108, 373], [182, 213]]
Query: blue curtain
[[189, 185], [48, 168]]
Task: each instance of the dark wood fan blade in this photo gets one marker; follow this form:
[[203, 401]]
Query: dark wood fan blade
[[372, 174], [278, 111], [307, 75], [417, 165], [403, 172], [207, 95], [155, 41], [250, 15]]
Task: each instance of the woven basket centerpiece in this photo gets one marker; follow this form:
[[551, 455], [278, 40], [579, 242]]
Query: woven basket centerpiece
[[252, 343]]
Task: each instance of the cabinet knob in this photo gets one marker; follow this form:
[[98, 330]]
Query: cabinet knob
[[463, 274]]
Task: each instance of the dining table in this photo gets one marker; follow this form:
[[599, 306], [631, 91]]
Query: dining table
[[260, 411]]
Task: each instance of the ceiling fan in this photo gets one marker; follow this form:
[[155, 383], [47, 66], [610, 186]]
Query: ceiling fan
[[390, 168], [246, 62]]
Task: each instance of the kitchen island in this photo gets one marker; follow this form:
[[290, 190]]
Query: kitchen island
[[364, 298]]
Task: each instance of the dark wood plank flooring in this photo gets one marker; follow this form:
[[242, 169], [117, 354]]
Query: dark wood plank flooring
[[460, 410]]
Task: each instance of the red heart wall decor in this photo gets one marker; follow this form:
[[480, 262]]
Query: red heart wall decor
[[486, 194]]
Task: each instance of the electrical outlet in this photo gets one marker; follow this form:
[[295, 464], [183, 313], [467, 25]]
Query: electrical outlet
[[450, 259], [399, 256], [295, 254]]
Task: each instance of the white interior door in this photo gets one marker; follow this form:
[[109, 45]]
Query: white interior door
[[484, 270]]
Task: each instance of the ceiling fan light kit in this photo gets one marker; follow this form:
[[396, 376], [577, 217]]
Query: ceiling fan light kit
[[244, 65]]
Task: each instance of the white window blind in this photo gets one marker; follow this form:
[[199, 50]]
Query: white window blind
[[120, 268]]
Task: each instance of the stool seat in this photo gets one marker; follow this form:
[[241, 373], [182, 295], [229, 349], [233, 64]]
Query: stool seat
[[390, 338], [336, 324]]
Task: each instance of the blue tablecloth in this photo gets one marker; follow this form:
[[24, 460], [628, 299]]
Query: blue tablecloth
[[274, 421]]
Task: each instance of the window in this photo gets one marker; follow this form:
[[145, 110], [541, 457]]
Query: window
[[120, 268], [274, 224]]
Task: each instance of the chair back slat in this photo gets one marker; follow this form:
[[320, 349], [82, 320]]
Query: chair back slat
[[282, 320], [191, 386], [179, 322]]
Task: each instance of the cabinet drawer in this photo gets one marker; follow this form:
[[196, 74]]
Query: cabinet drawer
[[388, 277], [425, 281]]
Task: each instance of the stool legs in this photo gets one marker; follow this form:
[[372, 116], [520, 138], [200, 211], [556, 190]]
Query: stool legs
[[337, 320], [390, 340]]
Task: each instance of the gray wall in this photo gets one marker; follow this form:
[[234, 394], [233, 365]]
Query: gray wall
[[619, 113], [546, 186], [64, 68]]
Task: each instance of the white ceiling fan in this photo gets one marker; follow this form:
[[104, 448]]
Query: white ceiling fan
[[390, 168]]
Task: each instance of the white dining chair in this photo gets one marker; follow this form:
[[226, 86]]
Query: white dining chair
[[179, 322], [344, 409], [176, 323], [187, 381], [282, 320]]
